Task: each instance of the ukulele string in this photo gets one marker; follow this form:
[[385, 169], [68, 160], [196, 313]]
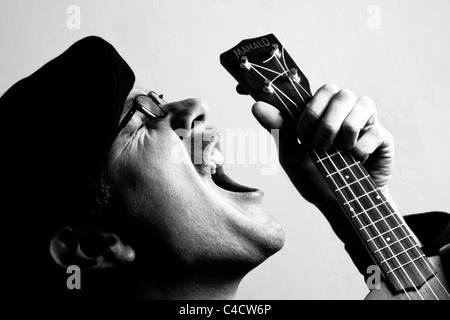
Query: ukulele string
[[279, 75], [369, 218], [274, 55], [285, 68], [404, 250], [421, 256], [299, 82], [264, 68], [407, 233], [253, 66]]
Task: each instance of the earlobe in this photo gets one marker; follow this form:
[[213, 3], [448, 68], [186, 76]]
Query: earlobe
[[103, 250]]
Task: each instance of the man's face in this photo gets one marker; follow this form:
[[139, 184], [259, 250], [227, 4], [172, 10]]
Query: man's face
[[167, 173]]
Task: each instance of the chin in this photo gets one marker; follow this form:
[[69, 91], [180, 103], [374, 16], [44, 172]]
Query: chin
[[274, 241], [266, 236]]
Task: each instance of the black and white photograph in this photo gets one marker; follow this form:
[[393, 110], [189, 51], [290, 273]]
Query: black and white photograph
[[200, 150]]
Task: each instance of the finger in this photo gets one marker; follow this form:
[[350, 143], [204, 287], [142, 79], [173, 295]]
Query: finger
[[314, 110], [339, 108], [376, 137], [363, 115]]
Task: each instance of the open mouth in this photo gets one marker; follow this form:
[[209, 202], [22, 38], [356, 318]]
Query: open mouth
[[213, 162], [216, 162]]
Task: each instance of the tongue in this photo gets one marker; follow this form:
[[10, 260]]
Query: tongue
[[225, 182]]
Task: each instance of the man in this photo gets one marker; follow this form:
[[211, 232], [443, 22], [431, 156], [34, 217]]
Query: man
[[123, 196]]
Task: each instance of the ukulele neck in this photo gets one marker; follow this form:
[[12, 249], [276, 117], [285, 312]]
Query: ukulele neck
[[267, 72]]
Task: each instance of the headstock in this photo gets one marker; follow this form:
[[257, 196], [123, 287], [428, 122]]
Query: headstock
[[266, 71]]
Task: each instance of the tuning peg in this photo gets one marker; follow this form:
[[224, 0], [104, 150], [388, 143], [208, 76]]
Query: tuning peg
[[293, 75], [244, 63], [275, 50], [268, 87]]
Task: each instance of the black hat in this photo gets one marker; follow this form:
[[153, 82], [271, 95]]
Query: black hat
[[58, 125]]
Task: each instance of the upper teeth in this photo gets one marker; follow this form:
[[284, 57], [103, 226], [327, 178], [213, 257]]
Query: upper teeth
[[216, 160]]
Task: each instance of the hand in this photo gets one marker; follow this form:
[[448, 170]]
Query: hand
[[332, 117]]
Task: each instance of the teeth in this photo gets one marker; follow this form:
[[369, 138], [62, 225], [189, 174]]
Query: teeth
[[213, 168], [216, 160]]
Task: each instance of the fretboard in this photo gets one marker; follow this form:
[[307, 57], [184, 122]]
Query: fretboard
[[266, 71], [379, 226]]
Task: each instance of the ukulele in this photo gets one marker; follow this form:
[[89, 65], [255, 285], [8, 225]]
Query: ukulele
[[265, 70]]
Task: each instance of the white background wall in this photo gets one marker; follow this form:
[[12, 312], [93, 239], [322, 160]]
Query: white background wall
[[174, 47]]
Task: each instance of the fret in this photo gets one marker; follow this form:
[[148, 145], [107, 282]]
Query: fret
[[341, 170], [362, 212], [405, 238], [359, 197], [351, 183], [412, 273], [395, 249], [328, 156], [385, 243], [382, 234], [269, 77], [407, 263], [397, 255], [376, 221], [373, 226], [394, 256]]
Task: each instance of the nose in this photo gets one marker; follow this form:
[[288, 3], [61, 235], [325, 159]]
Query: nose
[[188, 115]]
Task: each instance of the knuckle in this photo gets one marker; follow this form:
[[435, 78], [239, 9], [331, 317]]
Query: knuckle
[[350, 128], [378, 133], [366, 101], [329, 126], [345, 94], [311, 113], [330, 88]]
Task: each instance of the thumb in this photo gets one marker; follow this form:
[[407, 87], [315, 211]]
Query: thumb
[[284, 133], [268, 116]]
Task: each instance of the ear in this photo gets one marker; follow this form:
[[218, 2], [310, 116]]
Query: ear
[[98, 251]]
